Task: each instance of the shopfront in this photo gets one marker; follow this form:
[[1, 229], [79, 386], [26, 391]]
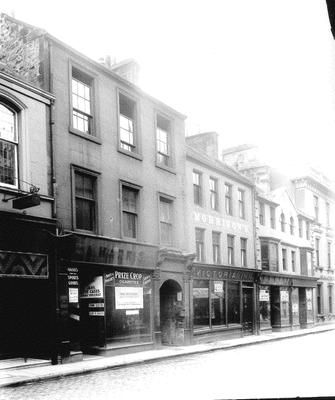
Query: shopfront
[[27, 296], [223, 302], [110, 296], [285, 301]]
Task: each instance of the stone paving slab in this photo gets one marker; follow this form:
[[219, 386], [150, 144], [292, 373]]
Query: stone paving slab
[[20, 376]]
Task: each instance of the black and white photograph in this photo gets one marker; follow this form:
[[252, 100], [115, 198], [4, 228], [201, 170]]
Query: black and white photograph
[[167, 199]]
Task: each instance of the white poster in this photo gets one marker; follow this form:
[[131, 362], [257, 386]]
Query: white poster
[[218, 287], [283, 295], [73, 295], [94, 289], [128, 297], [295, 308], [264, 295]]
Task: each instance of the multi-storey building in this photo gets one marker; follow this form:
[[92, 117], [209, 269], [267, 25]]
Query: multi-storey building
[[27, 268], [119, 179], [224, 275], [300, 222]]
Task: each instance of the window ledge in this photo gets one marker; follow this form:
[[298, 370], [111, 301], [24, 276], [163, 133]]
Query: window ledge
[[86, 136], [166, 168], [84, 231], [130, 154]]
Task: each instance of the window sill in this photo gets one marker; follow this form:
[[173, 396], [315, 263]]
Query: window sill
[[84, 231], [166, 168], [86, 136], [130, 154], [221, 328]]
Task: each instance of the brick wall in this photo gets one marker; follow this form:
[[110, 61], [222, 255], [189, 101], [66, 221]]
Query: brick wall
[[20, 53]]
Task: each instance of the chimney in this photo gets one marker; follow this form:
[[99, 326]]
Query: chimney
[[128, 69], [206, 143]]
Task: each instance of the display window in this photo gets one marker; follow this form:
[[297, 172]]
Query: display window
[[128, 306], [218, 306], [201, 303], [309, 305], [295, 306], [234, 301], [264, 307], [284, 307]]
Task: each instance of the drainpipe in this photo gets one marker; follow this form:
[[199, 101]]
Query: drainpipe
[[256, 291]]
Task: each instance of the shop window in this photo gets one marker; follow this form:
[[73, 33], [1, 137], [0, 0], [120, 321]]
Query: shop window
[[234, 303], [199, 244], [197, 190], [264, 306], [319, 299], [291, 225], [129, 211], [127, 123], [273, 217], [228, 199], [284, 259], [200, 303], [261, 213], [128, 306], [166, 221], [82, 113], [216, 237], [230, 244], [330, 299], [317, 252], [316, 208], [213, 194], [284, 307], [241, 203], [163, 139], [218, 303], [282, 222], [295, 305], [8, 147], [85, 200], [293, 263], [243, 252]]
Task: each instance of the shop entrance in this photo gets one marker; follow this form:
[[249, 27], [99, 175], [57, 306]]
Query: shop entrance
[[24, 318], [302, 308], [247, 312], [171, 313]]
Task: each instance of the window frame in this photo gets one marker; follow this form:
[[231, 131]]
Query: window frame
[[94, 175], [199, 188], [316, 206], [214, 194], [170, 154], [317, 251], [261, 213], [272, 217], [203, 256], [241, 203], [171, 201], [244, 251], [228, 196], [282, 222], [216, 245], [284, 259], [329, 254], [231, 249], [136, 188], [293, 261], [292, 226], [136, 123]]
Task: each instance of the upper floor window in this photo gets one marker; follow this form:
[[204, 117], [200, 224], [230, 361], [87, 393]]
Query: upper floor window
[[228, 199], [284, 259], [273, 217], [216, 247], [269, 256], [317, 251], [300, 226], [307, 230], [243, 252], [85, 200], [328, 214], [197, 195], [163, 130], [329, 246], [129, 211], [8, 147], [316, 207], [213, 193], [261, 213], [230, 245], [82, 116], [241, 203], [293, 263], [292, 225], [127, 123], [199, 244], [166, 220], [282, 222]]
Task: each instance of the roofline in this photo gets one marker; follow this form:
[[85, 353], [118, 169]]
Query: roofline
[[222, 169], [230, 150], [98, 65]]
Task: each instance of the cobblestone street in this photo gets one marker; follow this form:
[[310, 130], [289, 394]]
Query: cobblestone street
[[285, 368]]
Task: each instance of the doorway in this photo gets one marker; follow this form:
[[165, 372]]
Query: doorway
[[171, 313], [248, 309]]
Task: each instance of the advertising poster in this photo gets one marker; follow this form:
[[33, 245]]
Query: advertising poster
[[264, 295], [284, 295], [127, 297], [94, 289], [73, 295]]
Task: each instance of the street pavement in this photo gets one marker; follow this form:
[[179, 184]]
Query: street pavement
[[273, 366]]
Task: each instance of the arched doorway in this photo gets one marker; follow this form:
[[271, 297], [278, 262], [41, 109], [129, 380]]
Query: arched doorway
[[172, 313]]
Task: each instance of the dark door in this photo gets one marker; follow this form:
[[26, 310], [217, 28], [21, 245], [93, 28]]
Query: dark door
[[247, 312], [302, 308]]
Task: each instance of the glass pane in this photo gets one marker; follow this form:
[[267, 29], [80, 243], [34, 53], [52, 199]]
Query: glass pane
[[85, 214], [166, 233], [7, 124], [7, 163], [84, 185], [129, 199], [200, 303], [129, 225], [233, 302], [165, 210], [218, 310]]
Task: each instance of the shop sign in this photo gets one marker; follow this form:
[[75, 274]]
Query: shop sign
[[219, 222], [205, 273], [96, 313], [94, 289], [127, 297], [125, 278], [264, 295], [114, 252], [72, 276], [73, 295], [275, 280], [284, 295]]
